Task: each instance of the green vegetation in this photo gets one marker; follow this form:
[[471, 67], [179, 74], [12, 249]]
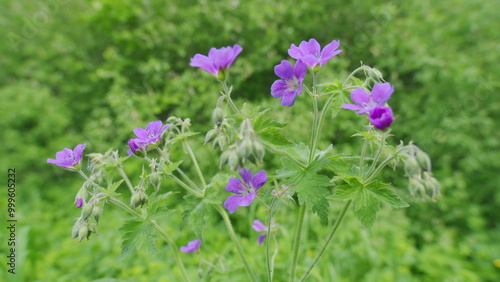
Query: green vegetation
[[77, 72]]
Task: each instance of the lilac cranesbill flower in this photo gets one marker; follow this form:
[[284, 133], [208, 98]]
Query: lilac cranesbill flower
[[311, 53], [192, 246], [67, 158], [366, 102], [381, 117], [259, 227], [290, 85], [135, 146], [246, 191], [151, 134], [218, 61]]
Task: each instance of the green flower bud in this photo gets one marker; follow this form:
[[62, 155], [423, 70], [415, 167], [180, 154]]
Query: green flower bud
[[432, 186], [375, 74], [135, 199], [224, 157], [155, 180], [222, 141], [423, 160], [246, 148], [258, 150], [87, 211], [76, 228], [211, 134], [218, 116], [412, 168], [97, 213], [83, 232], [144, 199], [233, 160], [416, 187]]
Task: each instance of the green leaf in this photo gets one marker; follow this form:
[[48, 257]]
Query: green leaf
[[157, 207], [311, 190], [112, 188], [383, 193], [195, 215], [270, 131], [366, 207], [137, 235], [344, 192], [169, 168]]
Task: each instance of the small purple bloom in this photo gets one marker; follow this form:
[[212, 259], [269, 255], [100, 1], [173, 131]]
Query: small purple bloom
[[381, 118], [135, 145], [192, 246], [68, 158], [246, 191], [259, 227], [217, 61], [290, 85], [79, 203], [146, 136], [311, 53], [365, 102]]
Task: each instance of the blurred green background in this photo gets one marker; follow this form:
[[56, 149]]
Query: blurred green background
[[76, 72]]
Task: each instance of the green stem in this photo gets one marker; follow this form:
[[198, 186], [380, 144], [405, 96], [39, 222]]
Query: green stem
[[185, 186], [315, 133], [377, 156], [125, 177], [236, 242], [126, 208], [227, 97], [362, 158], [196, 165], [165, 157], [174, 247], [270, 264], [286, 154], [296, 242], [382, 165], [329, 238]]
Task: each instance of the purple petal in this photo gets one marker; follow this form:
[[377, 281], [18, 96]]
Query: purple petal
[[381, 118], [78, 152], [141, 134], [300, 69], [310, 60], [278, 88], [232, 203], [236, 50], [234, 185], [312, 47], [352, 107], [246, 174], [79, 203], [258, 226], [295, 52], [245, 201], [381, 92], [360, 97], [154, 126], [261, 239], [288, 99], [329, 52], [64, 154], [192, 246], [203, 62], [284, 70], [259, 179]]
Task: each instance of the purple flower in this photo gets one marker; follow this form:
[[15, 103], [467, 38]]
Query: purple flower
[[146, 136], [218, 60], [290, 84], [79, 202], [68, 158], [192, 246], [381, 118], [365, 102], [246, 191], [259, 227], [311, 53]]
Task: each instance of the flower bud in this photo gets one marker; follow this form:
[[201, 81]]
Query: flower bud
[[412, 168], [432, 186], [76, 228], [222, 141], [218, 116], [224, 157], [211, 134], [423, 160], [155, 180], [144, 199], [259, 150], [375, 74], [246, 147], [233, 160], [97, 213], [415, 186], [87, 211], [83, 232], [135, 199]]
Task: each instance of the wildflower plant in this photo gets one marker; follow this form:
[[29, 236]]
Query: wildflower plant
[[310, 178]]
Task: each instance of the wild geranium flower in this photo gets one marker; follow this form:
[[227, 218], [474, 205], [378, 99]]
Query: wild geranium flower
[[146, 136], [290, 85], [218, 61], [311, 53], [259, 227], [366, 102], [192, 246], [67, 158], [246, 190], [381, 118]]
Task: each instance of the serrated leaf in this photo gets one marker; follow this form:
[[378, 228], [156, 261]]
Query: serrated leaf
[[386, 195], [366, 207], [157, 207], [274, 136], [169, 168], [112, 188], [195, 215], [344, 192], [137, 235], [311, 190]]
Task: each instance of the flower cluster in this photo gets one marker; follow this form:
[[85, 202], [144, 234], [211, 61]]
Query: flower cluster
[[146, 137], [245, 191], [373, 104], [308, 54]]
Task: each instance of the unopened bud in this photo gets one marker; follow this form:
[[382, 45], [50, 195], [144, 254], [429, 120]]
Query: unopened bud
[[83, 232], [135, 199], [144, 199], [211, 134], [375, 74], [218, 116], [87, 210], [222, 141], [246, 148], [76, 228], [233, 160], [224, 157], [423, 160], [155, 180], [97, 213], [432, 186], [258, 150], [416, 187], [412, 168]]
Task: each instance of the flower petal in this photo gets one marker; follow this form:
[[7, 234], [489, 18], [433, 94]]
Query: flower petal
[[288, 99], [300, 69], [261, 239], [203, 62], [246, 174], [278, 88], [77, 152], [232, 203], [234, 185], [381, 92], [284, 70], [245, 201], [360, 97], [352, 107], [258, 226], [259, 179]]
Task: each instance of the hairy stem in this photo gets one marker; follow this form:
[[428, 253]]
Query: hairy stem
[[125, 177], [196, 165], [296, 242]]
